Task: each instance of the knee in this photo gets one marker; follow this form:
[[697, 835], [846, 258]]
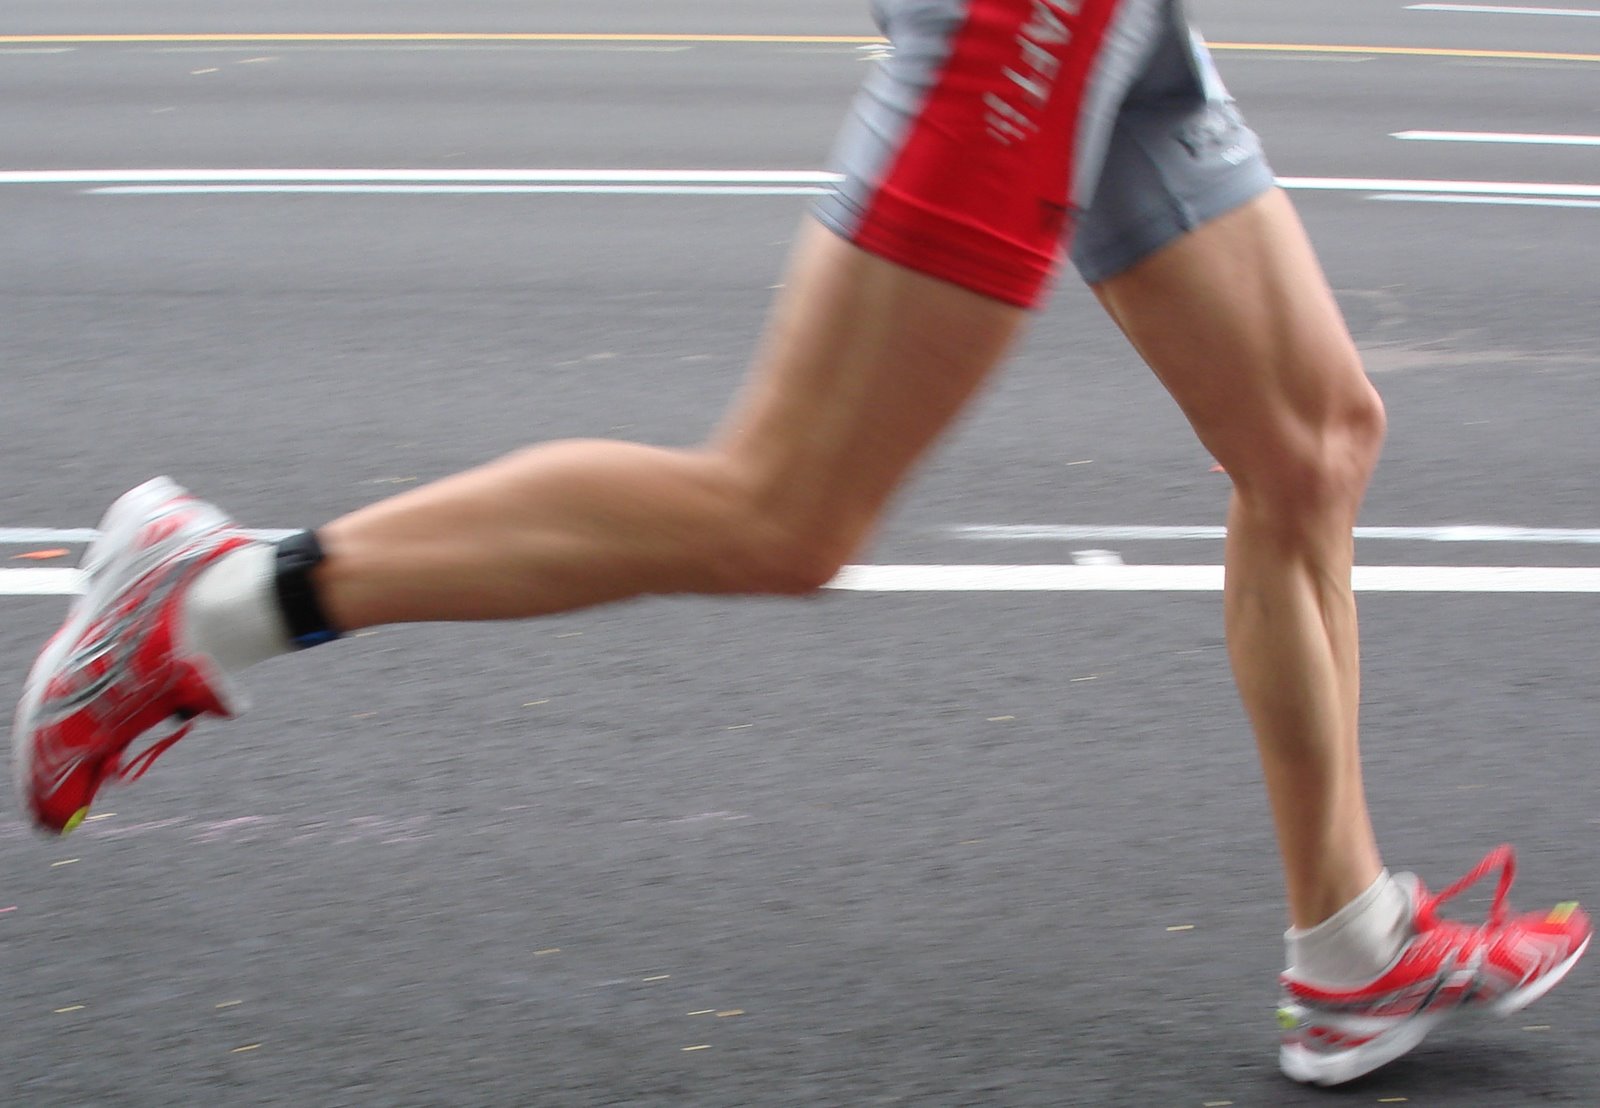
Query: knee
[[1315, 467], [797, 564], [786, 556], [786, 540]]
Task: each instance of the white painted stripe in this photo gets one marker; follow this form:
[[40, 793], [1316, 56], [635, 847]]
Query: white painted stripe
[[22, 536], [1461, 188], [469, 190], [1076, 578], [1205, 578], [573, 179], [19, 535], [1491, 533], [1449, 533], [1496, 9], [1497, 136], [1464, 197], [1028, 578], [1509, 201], [419, 176], [38, 582], [1036, 532]]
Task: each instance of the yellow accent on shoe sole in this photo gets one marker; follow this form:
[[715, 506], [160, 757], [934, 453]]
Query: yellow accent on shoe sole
[[1287, 1019], [72, 824], [1562, 912]]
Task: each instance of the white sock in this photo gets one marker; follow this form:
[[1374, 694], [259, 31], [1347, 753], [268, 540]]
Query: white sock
[[1359, 941], [231, 612]]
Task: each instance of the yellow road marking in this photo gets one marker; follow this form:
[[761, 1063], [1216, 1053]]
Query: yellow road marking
[[708, 40]]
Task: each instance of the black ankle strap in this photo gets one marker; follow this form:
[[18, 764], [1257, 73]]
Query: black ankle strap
[[297, 599]]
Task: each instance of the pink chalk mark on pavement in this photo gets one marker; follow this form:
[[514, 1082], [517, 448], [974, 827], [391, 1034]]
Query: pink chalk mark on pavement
[[259, 828]]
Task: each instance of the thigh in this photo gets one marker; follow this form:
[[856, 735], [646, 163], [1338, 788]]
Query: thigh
[[1238, 321], [974, 146], [864, 362]]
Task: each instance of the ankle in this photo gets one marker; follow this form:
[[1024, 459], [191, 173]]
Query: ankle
[[1357, 942]]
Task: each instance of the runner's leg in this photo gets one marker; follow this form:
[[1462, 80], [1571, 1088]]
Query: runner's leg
[[1238, 322], [886, 327], [864, 362], [1205, 265]]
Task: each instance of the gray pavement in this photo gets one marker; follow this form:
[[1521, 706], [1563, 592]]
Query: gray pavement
[[867, 849]]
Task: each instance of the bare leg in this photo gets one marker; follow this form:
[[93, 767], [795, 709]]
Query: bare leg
[[1238, 322], [863, 364]]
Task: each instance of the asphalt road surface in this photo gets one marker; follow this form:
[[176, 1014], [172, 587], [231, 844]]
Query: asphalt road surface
[[927, 847]]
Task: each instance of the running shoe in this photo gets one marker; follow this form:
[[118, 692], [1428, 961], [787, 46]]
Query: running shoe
[[118, 667], [1448, 968]]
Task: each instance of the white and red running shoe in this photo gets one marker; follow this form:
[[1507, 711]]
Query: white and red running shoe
[[1497, 967], [118, 667]]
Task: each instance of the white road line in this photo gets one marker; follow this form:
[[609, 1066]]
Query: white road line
[[1497, 137], [666, 190], [419, 176], [1452, 533], [1495, 9], [38, 582], [1510, 201], [1076, 578], [1455, 188], [661, 181], [1204, 578], [53, 535], [1028, 532], [56, 536], [468, 190]]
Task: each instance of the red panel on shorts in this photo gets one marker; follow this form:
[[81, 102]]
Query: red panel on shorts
[[978, 193]]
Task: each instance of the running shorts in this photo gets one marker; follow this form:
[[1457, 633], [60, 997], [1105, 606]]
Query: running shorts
[[998, 134]]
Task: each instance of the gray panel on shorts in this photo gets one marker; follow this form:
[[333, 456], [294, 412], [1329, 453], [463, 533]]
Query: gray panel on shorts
[[1136, 32], [1179, 155], [924, 34]]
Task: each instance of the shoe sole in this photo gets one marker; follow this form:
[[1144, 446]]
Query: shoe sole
[[118, 526], [1310, 1068]]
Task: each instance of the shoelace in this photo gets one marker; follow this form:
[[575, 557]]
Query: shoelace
[[136, 767], [1503, 857]]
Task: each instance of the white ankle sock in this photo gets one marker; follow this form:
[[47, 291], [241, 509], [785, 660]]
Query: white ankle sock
[[231, 612], [1359, 941]]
